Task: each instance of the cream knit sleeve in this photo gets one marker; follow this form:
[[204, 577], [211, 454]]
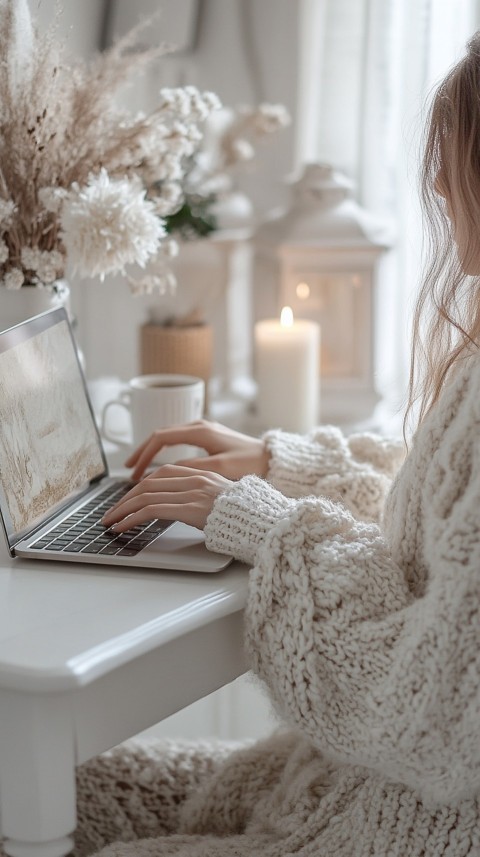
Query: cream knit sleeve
[[373, 675], [356, 470]]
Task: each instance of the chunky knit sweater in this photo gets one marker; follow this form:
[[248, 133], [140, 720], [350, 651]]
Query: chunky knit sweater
[[363, 621]]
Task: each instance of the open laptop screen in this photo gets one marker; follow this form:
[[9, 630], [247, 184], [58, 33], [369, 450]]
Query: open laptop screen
[[50, 449]]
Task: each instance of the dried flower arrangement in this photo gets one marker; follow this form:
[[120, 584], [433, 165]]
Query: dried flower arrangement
[[231, 137], [83, 183]]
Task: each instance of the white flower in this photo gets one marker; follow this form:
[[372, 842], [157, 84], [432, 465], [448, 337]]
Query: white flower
[[7, 208], [194, 134], [172, 168], [242, 150], [179, 145], [168, 169], [212, 100], [176, 100], [190, 103], [108, 224], [201, 104], [151, 139], [128, 121], [46, 264], [169, 199], [3, 251], [170, 248], [162, 281], [216, 185], [51, 198], [14, 279], [270, 118]]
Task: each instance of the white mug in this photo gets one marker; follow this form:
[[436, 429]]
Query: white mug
[[158, 401]]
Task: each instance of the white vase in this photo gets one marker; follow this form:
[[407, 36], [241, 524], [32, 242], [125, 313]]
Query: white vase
[[16, 305]]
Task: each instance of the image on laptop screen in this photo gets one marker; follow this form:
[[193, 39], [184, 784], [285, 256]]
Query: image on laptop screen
[[49, 445]]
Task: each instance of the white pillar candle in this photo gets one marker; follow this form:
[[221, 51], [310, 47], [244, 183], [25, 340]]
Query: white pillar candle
[[287, 369]]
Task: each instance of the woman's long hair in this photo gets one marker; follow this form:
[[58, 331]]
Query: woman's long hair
[[447, 313]]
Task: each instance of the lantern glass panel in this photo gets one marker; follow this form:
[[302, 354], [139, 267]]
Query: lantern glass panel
[[335, 300]]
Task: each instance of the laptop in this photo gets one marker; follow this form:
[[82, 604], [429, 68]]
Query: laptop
[[54, 480]]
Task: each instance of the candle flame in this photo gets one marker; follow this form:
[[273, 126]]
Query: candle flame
[[302, 291], [286, 317]]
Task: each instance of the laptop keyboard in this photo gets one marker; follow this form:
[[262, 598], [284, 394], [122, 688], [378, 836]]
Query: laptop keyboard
[[83, 532]]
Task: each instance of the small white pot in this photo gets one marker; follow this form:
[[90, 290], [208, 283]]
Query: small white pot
[[16, 305]]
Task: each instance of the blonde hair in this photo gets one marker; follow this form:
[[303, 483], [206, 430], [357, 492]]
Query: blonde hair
[[447, 313]]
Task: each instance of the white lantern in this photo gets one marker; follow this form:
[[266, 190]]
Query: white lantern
[[325, 251]]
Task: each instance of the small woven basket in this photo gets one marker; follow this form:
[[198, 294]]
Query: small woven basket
[[179, 350]]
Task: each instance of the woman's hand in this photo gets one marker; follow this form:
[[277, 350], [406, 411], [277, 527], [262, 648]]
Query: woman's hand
[[229, 452], [172, 493]]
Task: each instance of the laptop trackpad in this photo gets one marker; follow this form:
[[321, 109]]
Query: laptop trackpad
[[182, 546]]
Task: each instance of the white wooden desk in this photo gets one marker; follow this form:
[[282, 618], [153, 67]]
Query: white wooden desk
[[89, 657]]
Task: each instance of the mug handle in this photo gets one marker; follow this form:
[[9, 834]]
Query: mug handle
[[123, 403]]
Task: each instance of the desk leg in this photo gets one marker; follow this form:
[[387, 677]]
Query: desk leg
[[37, 774]]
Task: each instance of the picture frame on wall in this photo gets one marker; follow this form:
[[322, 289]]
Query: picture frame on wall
[[177, 23]]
